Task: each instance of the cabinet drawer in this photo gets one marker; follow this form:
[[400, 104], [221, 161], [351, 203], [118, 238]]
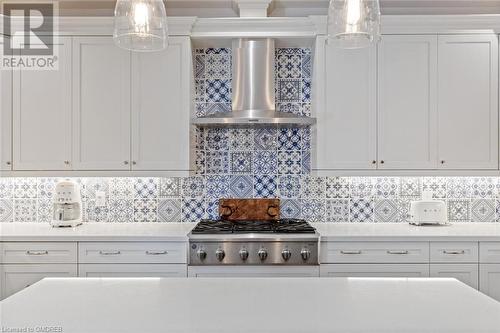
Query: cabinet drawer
[[131, 253], [375, 252], [454, 252], [489, 252], [466, 273], [375, 270], [38, 253], [132, 270]]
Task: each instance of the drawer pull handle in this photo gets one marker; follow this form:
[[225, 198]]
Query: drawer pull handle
[[37, 253], [397, 252], [156, 253], [109, 253], [454, 252], [350, 252]]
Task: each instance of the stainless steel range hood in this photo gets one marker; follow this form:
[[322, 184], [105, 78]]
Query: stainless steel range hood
[[253, 91]]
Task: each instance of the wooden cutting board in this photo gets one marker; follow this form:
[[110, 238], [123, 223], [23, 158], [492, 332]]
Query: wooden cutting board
[[249, 209]]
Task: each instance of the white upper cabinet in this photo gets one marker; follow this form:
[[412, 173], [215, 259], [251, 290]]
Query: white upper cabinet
[[407, 102], [5, 117], [468, 102], [161, 107], [346, 112], [42, 115], [101, 105]]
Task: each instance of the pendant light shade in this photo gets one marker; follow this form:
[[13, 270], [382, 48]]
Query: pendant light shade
[[354, 24], [140, 25]]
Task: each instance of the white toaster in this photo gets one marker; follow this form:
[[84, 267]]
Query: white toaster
[[428, 211]]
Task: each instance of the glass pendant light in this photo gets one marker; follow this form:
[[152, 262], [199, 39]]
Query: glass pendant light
[[354, 24], [140, 25]]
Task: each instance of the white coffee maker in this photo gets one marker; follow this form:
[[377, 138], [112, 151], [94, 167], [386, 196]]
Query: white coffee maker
[[67, 205]]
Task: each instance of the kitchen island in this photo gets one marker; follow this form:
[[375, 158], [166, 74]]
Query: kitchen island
[[250, 305]]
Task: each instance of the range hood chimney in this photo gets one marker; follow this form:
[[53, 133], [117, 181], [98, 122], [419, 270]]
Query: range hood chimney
[[253, 88]]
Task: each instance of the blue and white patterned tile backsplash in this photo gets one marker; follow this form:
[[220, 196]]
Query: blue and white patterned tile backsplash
[[318, 199]]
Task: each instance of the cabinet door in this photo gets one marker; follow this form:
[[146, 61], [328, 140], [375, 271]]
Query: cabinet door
[[374, 270], [468, 102], [18, 277], [132, 270], [42, 115], [101, 109], [161, 107], [5, 117], [346, 128], [490, 280], [407, 102], [467, 273]]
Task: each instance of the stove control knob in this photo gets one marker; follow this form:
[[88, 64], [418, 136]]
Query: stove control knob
[[305, 254], [201, 254], [244, 254], [220, 254], [262, 254], [286, 254]]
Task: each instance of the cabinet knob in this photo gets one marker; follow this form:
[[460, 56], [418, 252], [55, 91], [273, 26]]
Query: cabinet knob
[[9, 163], [374, 162], [134, 162], [66, 162], [443, 162], [125, 162], [382, 162]]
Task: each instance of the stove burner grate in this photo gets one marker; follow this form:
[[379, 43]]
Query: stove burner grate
[[237, 227]]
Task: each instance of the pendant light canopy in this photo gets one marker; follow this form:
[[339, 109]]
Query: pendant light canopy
[[140, 25], [354, 24]]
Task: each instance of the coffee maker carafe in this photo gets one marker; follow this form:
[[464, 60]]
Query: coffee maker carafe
[[67, 205]]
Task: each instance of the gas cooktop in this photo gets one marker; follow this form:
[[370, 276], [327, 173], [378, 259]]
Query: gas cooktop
[[295, 226]]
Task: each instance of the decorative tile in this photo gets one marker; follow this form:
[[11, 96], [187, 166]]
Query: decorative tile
[[200, 162], [146, 188], [265, 186], [44, 208], [25, 210], [6, 188], [170, 187], [218, 187], [145, 210], [294, 108], [93, 185], [121, 210], [306, 162], [217, 139], [289, 162], [337, 210], [199, 66], [265, 162], [94, 213], [214, 108], [306, 66], [483, 187], [46, 187], [305, 95], [312, 187], [387, 210], [337, 187], [409, 187], [290, 209], [361, 210], [266, 138], [289, 186], [241, 139], [193, 210], [306, 138], [361, 187], [241, 187], [169, 210], [458, 188], [386, 187], [218, 66], [306, 109], [289, 138], [200, 109], [193, 187], [121, 188], [458, 210], [289, 66], [313, 210], [217, 51], [483, 210], [217, 162], [200, 90], [241, 162], [25, 188], [218, 91], [436, 185], [6, 212], [289, 90]]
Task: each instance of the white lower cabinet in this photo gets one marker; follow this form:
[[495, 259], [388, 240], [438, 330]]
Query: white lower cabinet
[[16, 277], [467, 273], [132, 270], [490, 280], [374, 270]]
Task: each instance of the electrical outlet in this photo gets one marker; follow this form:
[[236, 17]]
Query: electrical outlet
[[100, 199]]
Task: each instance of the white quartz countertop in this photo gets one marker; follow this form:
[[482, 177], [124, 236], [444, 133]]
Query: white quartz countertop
[[406, 232], [253, 305], [96, 232]]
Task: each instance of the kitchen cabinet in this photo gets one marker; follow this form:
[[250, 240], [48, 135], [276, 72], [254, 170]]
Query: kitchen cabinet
[[42, 115], [101, 105], [467, 273], [407, 102], [16, 277], [375, 270], [346, 127], [132, 270], [490, 280], [161, 102], [252, 271], [5, 116], [468, 102]]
